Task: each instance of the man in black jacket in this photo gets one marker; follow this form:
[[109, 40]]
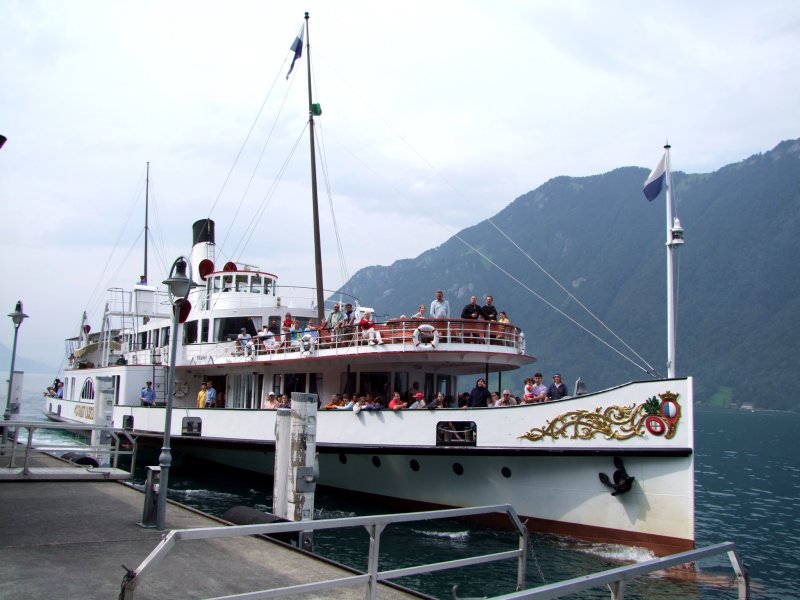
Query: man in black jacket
[[479, 396]]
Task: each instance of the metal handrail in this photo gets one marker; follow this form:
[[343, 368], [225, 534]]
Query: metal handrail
[[114, 450], [615, 578], [374, 524]]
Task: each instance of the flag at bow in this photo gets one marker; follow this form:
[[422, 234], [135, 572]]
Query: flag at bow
[[297, 48], [655, 183]]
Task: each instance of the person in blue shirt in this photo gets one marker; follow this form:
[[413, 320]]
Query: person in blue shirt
[[211, 396], [148, 395]]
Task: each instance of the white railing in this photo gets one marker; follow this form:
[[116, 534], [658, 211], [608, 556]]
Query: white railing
[[374, 526]]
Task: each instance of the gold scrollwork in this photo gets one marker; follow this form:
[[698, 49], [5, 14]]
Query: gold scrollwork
[[613, 423]]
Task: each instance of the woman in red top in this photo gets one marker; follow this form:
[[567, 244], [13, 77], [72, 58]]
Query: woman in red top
[[368, 331]]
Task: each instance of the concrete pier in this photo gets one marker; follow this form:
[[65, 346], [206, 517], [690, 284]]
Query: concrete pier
[[69, 539]]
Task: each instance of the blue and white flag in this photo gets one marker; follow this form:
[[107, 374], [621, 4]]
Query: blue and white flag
[[297, 48], [655, 183]]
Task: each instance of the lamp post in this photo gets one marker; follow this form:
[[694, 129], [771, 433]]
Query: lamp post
[[17, 317], [179, 285]]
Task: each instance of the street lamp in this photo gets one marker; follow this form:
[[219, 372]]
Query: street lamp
[[17, 317], [179, 285]]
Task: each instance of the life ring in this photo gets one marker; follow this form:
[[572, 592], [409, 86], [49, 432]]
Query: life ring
[[307, 345], [180, 388], [425, 336]]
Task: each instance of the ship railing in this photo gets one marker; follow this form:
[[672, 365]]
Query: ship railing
[[27, 441], [410, 334], [616, 579], [375, 525]]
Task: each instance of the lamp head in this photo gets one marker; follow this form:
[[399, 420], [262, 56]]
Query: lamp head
[[179, 283], [18, 316]]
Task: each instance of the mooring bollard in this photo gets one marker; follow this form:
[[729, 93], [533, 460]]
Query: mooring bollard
[[151, 490]]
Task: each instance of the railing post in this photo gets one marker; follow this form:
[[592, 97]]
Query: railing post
[[373, 563], [617, 589], [741, 574]]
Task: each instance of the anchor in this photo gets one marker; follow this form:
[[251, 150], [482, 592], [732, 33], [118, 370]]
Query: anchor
[[622, 481]]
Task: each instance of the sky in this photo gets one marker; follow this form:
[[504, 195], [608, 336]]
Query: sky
[[435, 116]]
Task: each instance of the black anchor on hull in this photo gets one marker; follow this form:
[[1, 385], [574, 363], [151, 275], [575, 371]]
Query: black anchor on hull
[[622, 481]]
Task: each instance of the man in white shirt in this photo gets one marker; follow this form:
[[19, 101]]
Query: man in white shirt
[[440, 308]]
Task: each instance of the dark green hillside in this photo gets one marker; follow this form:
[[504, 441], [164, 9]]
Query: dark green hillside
[[739, 293]]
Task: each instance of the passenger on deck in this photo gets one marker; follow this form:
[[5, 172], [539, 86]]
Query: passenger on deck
[[148, 395], [266, 338], [488, 311], [440, 308], [368, 331], [494, 399], [472, 312], [59, 389], [211, 395], [347, 326], [557, 389], [332, 322], [245, 341], [506, 399], [539, 389], [201, 395], [312, 330], [527, 391], [287, 329], [347, 403], [371, 403], [463, 400], [439, 402], [479, 396], [334, 403], [284, 401], [420, 314], [419, 401], [271, 403], [396, 403], [503, 318]]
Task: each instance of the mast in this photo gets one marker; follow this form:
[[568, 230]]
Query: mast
[[146, 213], [314, 109], [674, 238]]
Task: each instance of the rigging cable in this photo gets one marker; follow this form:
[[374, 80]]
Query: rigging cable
[[650, 368], [244, 143], [548, 303]]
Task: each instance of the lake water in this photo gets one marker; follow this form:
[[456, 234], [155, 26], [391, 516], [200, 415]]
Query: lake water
[[747, 491]]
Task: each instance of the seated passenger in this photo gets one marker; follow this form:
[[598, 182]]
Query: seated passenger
[[368, 331], [396, 403], [347, 403], [419, 401], [266, 338], [506, 399], [420, 314], [271, 403], [335, 403], [245, 341]]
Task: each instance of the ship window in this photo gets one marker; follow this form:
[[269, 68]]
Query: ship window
[[241, 283], [256, 284], [456, 433], [227, 283], [506, 472], [204, 330], [226, 330], [190, 332], [87, 391]]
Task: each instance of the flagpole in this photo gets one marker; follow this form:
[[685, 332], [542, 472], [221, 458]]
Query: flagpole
[[670, 274], [312, 109]]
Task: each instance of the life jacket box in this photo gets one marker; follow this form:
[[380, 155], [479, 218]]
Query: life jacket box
[[192, 426]]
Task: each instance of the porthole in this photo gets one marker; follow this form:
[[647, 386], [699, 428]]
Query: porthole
[[506, 472], [458, 469], [414, 464], [343, 459], [376, 461]]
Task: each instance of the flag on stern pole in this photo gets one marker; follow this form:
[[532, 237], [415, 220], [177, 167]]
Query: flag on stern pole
[[655, 182], [297, 48]]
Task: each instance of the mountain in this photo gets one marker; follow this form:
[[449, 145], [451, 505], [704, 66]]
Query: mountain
[[736, 279]]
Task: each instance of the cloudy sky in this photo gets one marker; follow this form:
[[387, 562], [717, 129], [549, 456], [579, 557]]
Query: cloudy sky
[[436, 115]]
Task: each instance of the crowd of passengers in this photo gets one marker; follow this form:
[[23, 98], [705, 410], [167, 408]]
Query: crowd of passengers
[[479, 397], [343, 325]]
